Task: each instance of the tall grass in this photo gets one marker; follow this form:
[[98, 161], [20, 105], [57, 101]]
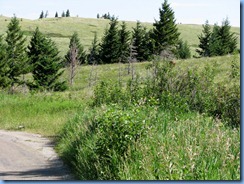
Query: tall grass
[[170, 124], [173, 147], [38, 113]]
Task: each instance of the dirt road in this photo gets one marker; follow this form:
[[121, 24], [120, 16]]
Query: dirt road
[[25, 156]]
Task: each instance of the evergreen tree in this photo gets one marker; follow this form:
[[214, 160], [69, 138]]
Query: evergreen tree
[[46, 14], [124, 40], [110, 44], [218, 42], [93, 56], [63, 14], [4, 70], [215, 42], [45, 63], [67, 13], [165, 31], [141, 41], [41, 15], [16, 56], [204, 39], [81, 54], [56, 14], [183, 50], [228, 40]]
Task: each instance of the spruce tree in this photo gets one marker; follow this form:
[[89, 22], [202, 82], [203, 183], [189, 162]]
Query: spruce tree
[[4, 70], [63, 14], [109, 52], [46, 14], [81, 54], [93, 56], [45, 63], [183, 50], [16, 56], [215, 42], [67, 13], [124, 40], [204, 39], [41, 15], [165, 31], [228, 40], [56, 14], [141, 41]]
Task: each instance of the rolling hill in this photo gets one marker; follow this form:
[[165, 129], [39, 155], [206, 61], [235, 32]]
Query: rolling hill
[[61, 29]]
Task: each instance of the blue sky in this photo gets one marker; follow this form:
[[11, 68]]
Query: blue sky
[[186, 11]]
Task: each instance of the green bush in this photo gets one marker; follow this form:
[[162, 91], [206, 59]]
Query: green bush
[[180, 91]]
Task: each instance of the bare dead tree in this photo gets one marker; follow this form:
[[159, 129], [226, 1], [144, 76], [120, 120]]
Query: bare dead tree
[[132, 59], [73, 62], [93, 74]]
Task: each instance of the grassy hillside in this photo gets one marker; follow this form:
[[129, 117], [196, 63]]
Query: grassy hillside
[[164, 137], [46, 113], [61, 29]]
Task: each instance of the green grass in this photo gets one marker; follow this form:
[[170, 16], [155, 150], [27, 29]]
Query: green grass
[[61, 29], [38, 113], [177, 146]]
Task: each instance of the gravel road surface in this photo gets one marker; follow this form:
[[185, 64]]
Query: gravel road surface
[[25, 156]]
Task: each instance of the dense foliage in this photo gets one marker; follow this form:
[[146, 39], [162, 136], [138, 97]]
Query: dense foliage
[[166, 126], [165, 31], [45, 64], [16, 57], [218, 42]]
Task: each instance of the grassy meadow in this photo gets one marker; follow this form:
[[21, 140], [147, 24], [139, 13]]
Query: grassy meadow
[[61, 29], [139, 138]]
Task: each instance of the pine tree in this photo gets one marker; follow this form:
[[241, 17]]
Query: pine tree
[[183, 50], [46, 14], [56, 14], [204, 39], [165, 31], [93, 56], [4, 70], [110, 44], [41, 15], [81, 54], [215, 42], [63, 14], [141, 41], [124, 40], [45, 63], [16, 56], [228, 40], [67, 13]]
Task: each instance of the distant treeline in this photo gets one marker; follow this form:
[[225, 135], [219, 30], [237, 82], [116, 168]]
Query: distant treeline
[[64, 14]]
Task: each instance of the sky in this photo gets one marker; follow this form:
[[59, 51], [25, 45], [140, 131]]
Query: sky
[[186, 11]]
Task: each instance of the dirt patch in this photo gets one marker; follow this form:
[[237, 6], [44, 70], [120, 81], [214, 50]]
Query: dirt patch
[[26, 156]]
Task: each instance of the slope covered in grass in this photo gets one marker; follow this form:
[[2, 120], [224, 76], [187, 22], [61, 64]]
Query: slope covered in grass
[[61, 29]]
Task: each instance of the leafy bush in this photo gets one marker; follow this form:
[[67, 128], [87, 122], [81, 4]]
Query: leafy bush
[[98, 144], [179, 91]]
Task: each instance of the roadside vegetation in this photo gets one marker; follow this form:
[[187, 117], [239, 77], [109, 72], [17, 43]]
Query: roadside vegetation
[[130, 101]]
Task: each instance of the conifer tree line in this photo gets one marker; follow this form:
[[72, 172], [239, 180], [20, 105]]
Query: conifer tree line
[[118, 45], [64, 14], [217, 41], [40, 57]]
